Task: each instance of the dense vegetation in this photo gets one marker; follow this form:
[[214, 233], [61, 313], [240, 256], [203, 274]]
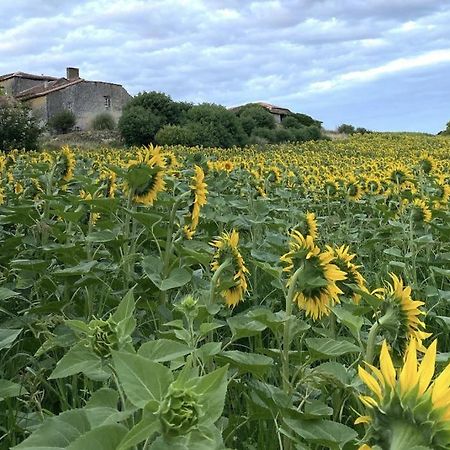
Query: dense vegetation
[[153, 117], [295, 298]]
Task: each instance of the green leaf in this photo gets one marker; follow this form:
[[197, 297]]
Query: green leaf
[[104, 397], [163, 350], [247, 362], [143, 380], [106, 437], [335, 372], [324, 348], [143, 430], [177, 278], [101, 236], [352, 322], [9, 389], [6, 293], [322, 432], [244, 326], [80, 359], [7, 337], [80, 269]]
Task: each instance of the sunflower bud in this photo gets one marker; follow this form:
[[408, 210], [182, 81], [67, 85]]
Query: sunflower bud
[[102, 337], [179, 412]]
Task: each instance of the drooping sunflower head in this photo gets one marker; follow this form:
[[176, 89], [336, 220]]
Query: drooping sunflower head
[[426, 163], [66, 164], [233, 277], [171, 161], [2, 196], [198, 200], [403, 313], [108, 177], [420, 212], [373, 185], [407, 408], [307, 225], [315, 289], [274, 174], [331, 187], [145, 177], [399, 174], [442, 193], [353, 189], [344, 261]]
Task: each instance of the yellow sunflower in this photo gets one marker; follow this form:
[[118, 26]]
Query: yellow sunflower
[[407, 409], [198, 192], [308, 225], [109, 178], [67, 163], [343, 259], [235, 274], [146, 176], [402, 315], [420, 211], [316, 290], [2, 196]]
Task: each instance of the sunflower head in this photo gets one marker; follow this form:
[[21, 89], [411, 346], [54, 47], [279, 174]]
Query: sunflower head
[[315, 290], [233, 278], [420, 212], [407, 408], [198, 200], [344, 261], [426, 163], [145, 176], [331, 187], [308, 225], [401, 320], [66, 164]]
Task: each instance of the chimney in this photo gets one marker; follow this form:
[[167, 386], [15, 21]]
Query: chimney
[[72, 73]]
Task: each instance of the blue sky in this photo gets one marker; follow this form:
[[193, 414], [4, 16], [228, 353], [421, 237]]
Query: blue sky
[[380, 64]]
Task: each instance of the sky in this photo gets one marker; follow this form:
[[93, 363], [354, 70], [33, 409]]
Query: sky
[[379, 64]]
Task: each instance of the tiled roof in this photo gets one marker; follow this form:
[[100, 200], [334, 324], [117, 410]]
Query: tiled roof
[[29, 76], [274, 109], [46, 88]]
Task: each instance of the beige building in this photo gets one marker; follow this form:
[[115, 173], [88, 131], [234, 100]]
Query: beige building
[[47, 96]]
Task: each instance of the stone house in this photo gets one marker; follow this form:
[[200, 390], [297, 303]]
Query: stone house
[[278, 112], [47, 96]]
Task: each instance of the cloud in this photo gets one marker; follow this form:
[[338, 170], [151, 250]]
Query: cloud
[[304, 54]]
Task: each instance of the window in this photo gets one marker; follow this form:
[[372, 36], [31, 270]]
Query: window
[[107, 101]]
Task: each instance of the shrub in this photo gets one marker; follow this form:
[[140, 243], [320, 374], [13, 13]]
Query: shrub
[[255, 116], [63, 121], [346, 128], [103, 121], [138, 125], [18, 128], [174, 135]]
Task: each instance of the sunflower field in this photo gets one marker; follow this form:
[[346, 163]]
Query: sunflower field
[[293, 297]]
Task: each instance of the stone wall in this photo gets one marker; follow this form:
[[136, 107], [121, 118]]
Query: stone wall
[[15, 85], [87, 99], [39, 107]]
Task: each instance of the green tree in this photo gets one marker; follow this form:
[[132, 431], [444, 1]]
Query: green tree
[[214, 126], [255, 116], [346, 128], [174, 135], [63, 121], [18, 128], [138, 125]]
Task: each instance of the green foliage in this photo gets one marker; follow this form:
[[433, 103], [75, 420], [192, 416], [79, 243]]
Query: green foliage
[[255, 116], [147, 113], [174, 135], [346, 128], [214, 126], [18, 128], [63, 121], [103, 121], [138, 125]]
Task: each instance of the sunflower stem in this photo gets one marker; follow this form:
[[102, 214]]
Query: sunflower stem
[[287, 388], [169, 241], [215, 280], [371, 341]]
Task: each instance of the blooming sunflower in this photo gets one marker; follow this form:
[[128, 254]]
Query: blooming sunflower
[[353, 189], [145, 178], [407, 409], [426, 163], [316, 291], [227, 249], [109, 177], [343, 259], [331, 187], [67, 163], [198, 192], [402, 317], [442, 193]]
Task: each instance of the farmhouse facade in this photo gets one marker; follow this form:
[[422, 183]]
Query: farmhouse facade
[[48, 96]]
